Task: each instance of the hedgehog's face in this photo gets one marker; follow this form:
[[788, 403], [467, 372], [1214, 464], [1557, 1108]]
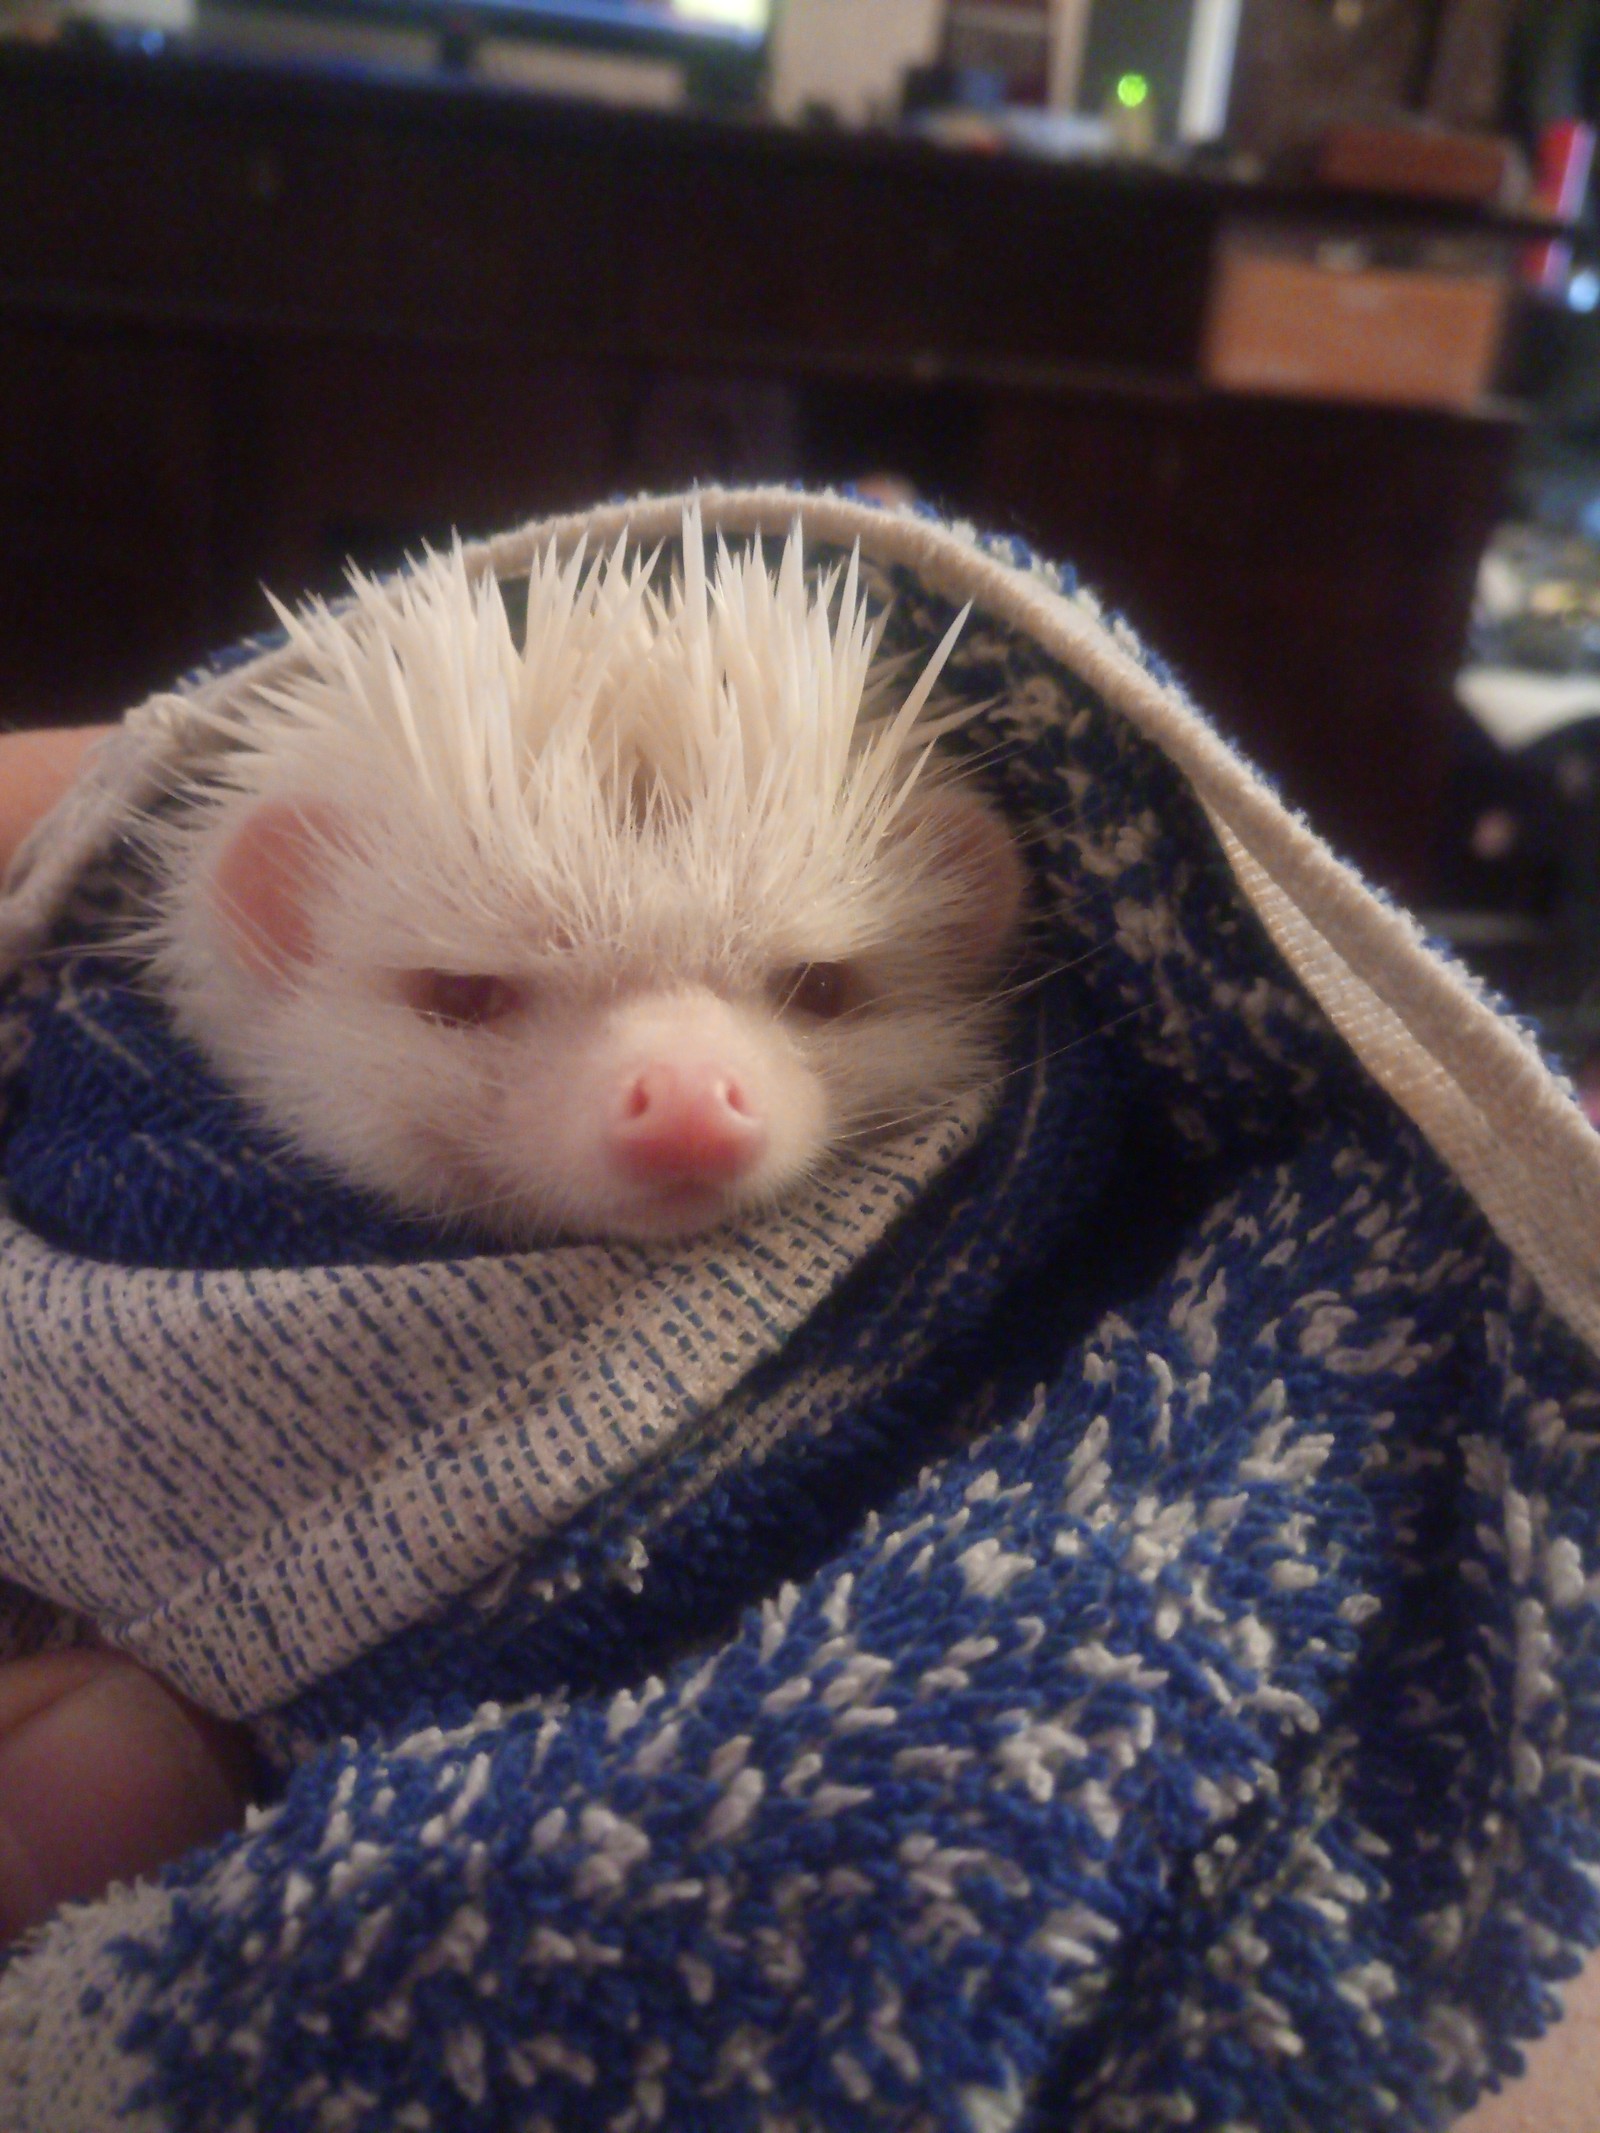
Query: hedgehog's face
[[538, 1070]]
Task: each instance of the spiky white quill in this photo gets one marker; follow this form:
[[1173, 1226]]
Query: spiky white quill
[[433, 868]]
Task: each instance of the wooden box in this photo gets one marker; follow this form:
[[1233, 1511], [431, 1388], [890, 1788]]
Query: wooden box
[[1417, 336]]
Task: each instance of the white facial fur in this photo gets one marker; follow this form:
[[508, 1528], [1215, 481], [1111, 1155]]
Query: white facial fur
[[619, 933]]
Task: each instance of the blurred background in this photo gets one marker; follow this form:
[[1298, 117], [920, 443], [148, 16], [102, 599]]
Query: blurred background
[[1279, 318]]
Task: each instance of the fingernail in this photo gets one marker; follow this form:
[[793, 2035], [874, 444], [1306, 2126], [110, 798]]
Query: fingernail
[[107, 1781]]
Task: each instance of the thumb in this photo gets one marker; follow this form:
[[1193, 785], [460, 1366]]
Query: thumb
[[105, 1774]]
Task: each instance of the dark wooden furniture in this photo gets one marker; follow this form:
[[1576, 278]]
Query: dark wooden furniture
[[254, 319]]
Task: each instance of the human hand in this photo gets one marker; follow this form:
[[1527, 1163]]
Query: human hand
[[35, 770], [105, 1774]]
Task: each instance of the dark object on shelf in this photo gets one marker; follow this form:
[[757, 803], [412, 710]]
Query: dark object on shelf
[[1009, 45], [1465, 80], [1426, 162], [942, 87], [1553, 71], [1305, 65]]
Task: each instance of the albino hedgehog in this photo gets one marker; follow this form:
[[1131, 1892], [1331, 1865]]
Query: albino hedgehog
[[616, 933]]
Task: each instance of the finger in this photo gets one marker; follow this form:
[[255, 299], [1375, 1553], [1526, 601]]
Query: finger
[[104, 1775], [35, 770]]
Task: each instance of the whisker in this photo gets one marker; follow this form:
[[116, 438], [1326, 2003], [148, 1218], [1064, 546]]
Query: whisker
[[1033, 980], [1060, 1051], [877, 1124]]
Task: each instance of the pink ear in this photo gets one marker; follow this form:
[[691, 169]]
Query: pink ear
[[972, 849], [267, 879]]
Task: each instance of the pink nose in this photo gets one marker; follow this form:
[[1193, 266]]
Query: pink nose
[[689, 1125]]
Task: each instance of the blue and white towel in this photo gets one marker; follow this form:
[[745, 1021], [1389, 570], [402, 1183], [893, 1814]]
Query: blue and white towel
[[1088, 1618]]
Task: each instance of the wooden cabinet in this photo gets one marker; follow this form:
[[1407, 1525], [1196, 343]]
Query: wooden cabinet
[[255, 320]]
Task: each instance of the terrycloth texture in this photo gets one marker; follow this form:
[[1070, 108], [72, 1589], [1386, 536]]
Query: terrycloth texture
[[1114, 1649], [130, 1151]]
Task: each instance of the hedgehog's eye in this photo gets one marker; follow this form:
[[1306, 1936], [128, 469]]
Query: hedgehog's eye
[[820, 991], [461, 999]]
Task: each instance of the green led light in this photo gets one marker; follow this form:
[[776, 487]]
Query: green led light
[[1132, 91]]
